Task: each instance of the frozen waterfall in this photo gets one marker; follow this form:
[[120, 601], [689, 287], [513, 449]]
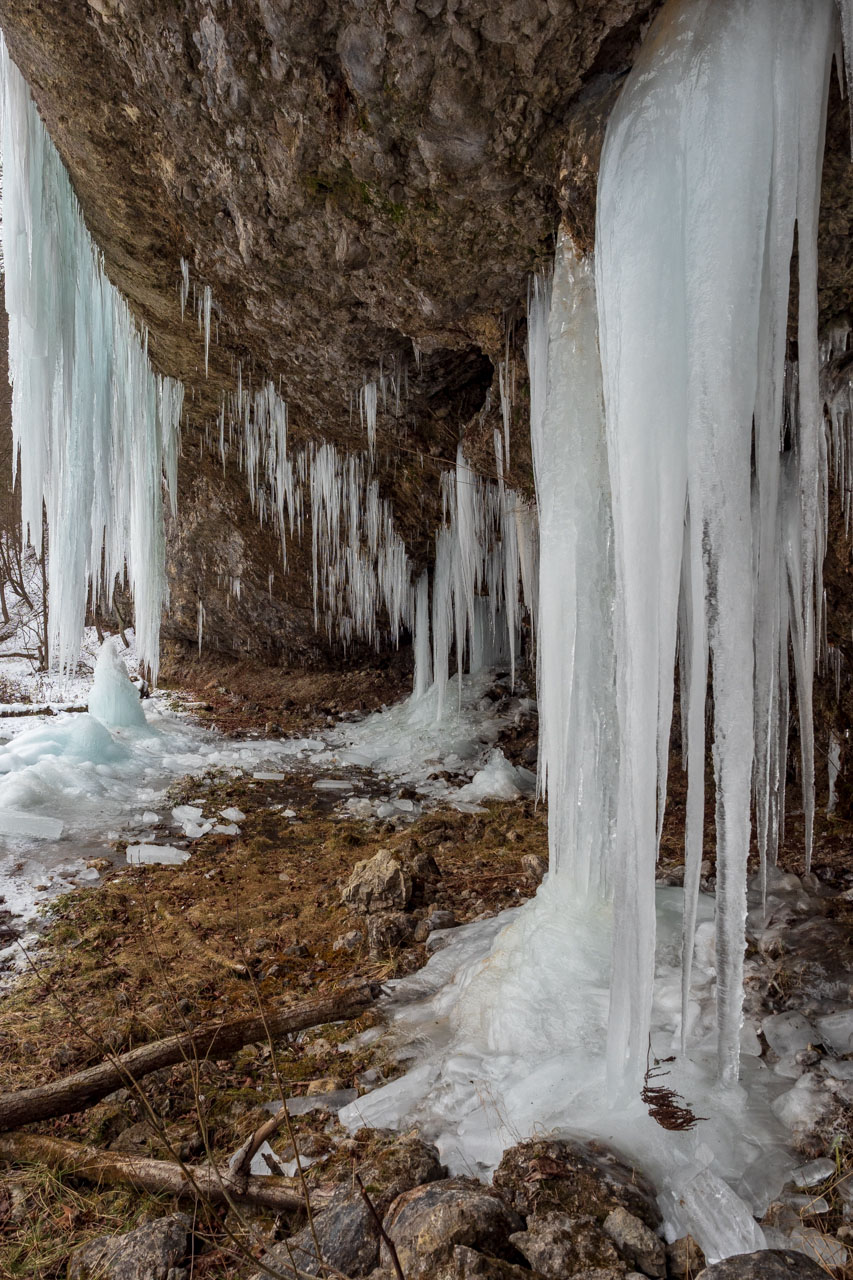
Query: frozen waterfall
[[712, 155], [95, 428]]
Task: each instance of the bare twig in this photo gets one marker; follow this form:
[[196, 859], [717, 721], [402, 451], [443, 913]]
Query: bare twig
[[384, 1236]]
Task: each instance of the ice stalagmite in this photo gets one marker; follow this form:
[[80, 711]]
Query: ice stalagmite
[[94, 425], [712, 153]]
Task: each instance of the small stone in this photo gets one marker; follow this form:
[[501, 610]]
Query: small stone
[[534, 867], [330, 1085], [388, 930], [297, 949], [684, 1258], [350, 941], [441, 920], [765, 1264], [636, 1242], [427, 1223]]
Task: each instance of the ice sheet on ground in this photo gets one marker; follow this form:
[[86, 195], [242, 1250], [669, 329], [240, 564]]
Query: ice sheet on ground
[[162, 855], [15, 823], [333, 784], [232, 815], [264, 775], [411, 743], [226, 829], [497, 1058]]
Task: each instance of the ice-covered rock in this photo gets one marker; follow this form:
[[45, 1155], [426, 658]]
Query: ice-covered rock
[[114, 700]]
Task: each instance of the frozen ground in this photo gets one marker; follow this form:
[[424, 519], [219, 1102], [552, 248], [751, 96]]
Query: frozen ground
[[72, 783], [505, 1028]]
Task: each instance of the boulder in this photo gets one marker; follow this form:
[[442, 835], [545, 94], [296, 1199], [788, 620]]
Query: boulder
[[346, 1230], [428, 1222], [636, 1243], [380, 883], [558, 1246], [765, 1264], [576, 1178], [154, 1251]]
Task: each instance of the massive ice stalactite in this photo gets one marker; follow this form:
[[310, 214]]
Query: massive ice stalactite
[[95, 427], [712, 155]]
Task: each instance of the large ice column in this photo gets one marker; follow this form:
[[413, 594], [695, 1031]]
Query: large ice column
[[93, 423], [577, 714], [711, 153]]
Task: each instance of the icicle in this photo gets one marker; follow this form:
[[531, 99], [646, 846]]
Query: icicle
[[200, 623], [691, 333], [95, 427], [185, 285], [206, 301]]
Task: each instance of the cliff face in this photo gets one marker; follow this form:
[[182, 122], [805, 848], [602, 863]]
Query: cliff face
[[353, 180]]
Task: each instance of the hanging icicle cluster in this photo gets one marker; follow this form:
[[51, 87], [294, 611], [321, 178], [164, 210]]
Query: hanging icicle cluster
[[93, 426], [484, 548], [712, 157]]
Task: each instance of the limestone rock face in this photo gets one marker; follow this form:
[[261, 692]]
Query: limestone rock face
[[357, 182]]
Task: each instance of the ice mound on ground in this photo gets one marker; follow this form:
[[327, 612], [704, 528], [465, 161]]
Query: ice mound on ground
[[498, 780], [114, 700], [506, 1029]]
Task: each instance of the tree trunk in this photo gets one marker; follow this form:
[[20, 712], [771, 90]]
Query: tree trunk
[[74, 1093]]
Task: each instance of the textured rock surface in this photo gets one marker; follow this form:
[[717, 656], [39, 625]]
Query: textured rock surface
[[346, 1231], [151, 1252], [380, 883], [558, 1246], [636, 1243], [350, 179], [765, 1264], [428, 1222], [574, 1178]]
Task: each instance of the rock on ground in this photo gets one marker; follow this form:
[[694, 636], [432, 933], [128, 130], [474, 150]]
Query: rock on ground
[[574, 1178], [427, 1222], [346, 1230], [635, 1242], [765, 1264], [153, 1251], [559, 1246], [380, 883]]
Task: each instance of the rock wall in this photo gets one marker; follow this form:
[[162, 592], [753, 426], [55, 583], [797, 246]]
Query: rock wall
[[354, 180]]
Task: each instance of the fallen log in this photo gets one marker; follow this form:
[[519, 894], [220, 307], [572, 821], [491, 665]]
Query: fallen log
[[74, 1093], [200, 1182], [16, 713]]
